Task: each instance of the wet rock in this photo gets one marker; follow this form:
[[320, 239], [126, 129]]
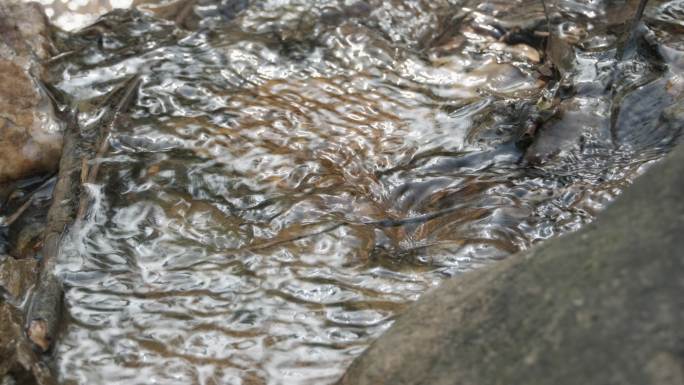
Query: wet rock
[[30, 137], [600, 306], [16, 276], [18, 363], [599, 80], [26, 236]]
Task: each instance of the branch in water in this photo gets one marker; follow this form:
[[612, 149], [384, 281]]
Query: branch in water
[[68, 205], [44, 313]]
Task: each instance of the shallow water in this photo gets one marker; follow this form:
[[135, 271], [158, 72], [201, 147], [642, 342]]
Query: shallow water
[[292, 174], [72, 15]]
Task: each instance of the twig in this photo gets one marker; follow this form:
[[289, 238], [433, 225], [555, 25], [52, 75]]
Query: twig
[[123, 99], [12, 218]]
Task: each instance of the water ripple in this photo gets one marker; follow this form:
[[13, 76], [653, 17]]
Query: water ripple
[[294, 173]]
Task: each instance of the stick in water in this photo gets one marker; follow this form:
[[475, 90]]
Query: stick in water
[[46, 303], [69, 204]]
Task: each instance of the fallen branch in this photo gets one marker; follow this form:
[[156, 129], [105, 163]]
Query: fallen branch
[[69, 204], [44, 313]]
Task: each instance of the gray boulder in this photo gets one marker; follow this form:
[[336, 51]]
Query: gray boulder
[[601, 306]]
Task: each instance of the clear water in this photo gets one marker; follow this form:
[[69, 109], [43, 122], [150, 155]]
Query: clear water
[[292, 174]]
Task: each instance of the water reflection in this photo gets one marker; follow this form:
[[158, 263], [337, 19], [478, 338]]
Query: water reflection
[[71, 15], [293, 173]]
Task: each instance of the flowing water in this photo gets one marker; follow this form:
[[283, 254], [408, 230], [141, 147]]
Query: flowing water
[[291, 174]]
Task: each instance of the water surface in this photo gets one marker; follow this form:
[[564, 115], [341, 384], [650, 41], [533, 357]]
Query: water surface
[[292, 174]]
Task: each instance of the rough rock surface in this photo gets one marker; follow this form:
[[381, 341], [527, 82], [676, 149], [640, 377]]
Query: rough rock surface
[[30, 136], [601, 306], [18, 363], [16, 276]]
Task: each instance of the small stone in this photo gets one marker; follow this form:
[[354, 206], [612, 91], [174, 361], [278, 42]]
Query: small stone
[[38, 333]]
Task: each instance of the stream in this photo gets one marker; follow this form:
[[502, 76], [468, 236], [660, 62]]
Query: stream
[[291, 174]]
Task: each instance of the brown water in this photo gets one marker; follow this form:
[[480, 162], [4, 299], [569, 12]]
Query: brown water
[[292, 174]]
